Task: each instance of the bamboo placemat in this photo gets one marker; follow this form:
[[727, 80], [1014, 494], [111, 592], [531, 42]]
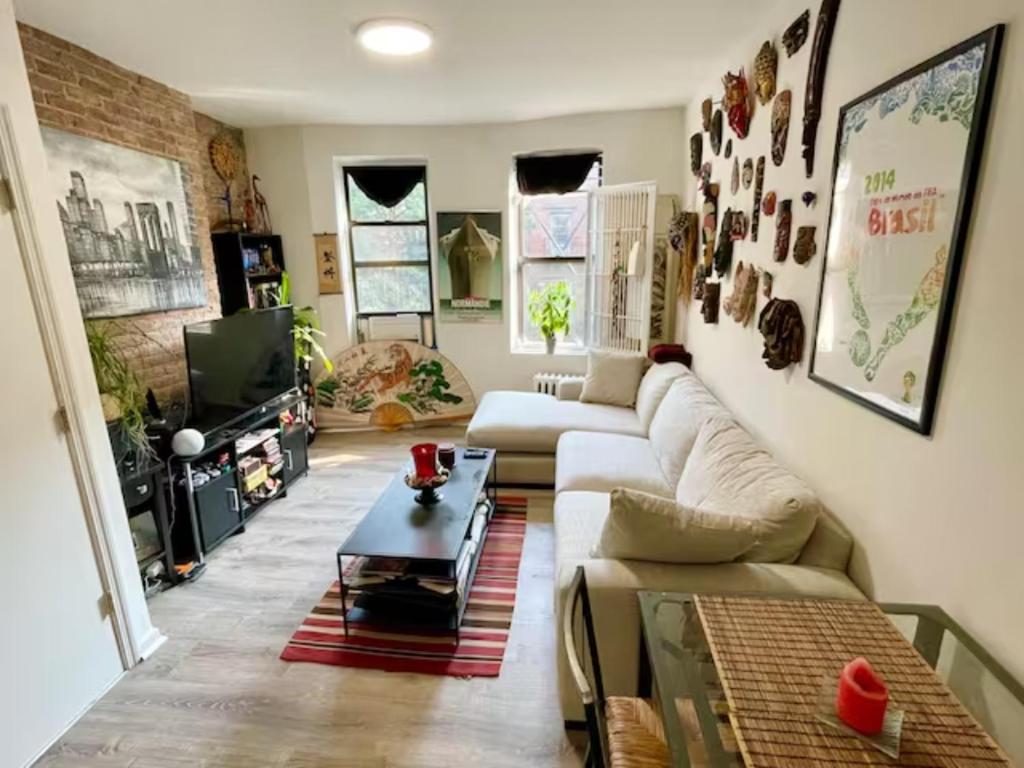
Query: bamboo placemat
[[772, 657]]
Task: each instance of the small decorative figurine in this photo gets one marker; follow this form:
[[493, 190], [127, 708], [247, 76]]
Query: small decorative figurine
[[809, 198], [768, 204], [765, 65], [796, 33], [755, 216], [737, 102], [780, 125], [783, 223], [748, 172], [783, 329], [696, 152], [734, 183], [716, 131], [728, 149], [262, 211], [804, 247], [705, 114], [711, 298]]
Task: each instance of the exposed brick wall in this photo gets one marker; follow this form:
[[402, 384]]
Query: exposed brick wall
[[216, 212], [76, 91]]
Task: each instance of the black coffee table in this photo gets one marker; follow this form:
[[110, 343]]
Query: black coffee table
[[429, 537]]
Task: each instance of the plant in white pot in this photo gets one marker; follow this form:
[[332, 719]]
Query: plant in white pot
[[549, 311]]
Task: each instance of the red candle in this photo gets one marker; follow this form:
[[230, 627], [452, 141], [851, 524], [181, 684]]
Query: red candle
[[862, 697], [424, 456]]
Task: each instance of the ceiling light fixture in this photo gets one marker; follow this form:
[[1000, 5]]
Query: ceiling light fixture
[[394, 37]]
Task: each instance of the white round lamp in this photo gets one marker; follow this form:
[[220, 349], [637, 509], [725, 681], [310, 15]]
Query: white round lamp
[[394, 37], [187, 442]]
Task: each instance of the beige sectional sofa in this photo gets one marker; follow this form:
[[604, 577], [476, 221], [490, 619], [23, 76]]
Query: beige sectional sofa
[[680, 443]]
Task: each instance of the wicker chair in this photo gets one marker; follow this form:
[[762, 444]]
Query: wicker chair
[[624, 732]]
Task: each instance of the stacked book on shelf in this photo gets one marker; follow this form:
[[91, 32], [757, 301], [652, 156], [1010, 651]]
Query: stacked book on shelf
[[414, 589]]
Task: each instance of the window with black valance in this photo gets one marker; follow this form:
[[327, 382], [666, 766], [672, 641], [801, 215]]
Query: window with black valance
[[550, 173]]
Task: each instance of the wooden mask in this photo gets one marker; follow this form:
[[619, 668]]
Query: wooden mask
[[716, 131], [780, 125], [765, 66], [696, 152], [783, 223]]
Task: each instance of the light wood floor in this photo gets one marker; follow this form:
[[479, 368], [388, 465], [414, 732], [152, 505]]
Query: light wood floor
[[217, 695]]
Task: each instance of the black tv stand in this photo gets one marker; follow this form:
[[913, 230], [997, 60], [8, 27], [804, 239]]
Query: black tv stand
[[242, 467]]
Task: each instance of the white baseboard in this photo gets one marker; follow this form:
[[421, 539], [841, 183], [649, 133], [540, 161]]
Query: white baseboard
[[151, 643]]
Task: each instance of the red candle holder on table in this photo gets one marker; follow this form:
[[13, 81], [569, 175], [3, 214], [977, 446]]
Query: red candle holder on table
[[862, 697], [426, 477]]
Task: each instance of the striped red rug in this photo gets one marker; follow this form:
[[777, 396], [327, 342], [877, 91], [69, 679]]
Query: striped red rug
[[482, 636]]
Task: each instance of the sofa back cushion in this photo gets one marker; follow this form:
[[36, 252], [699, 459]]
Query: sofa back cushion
[[653, 387], [612, 378], [677, 420], [642, 526], [728, 473]]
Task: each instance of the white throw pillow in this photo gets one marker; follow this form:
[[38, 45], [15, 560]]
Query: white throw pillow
[[612, 378], [727, 472], [652, 389], [642, 526]]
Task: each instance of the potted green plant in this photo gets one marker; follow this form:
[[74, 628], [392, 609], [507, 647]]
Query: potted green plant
[[549, 311], [121, 396]]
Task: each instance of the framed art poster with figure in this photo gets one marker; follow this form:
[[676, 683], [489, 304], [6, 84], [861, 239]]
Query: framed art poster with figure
[[906, 165]]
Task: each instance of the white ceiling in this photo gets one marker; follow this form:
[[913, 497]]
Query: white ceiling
[[269, 62]]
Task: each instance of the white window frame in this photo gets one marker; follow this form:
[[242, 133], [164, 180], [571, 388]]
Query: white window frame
[[519, 343]]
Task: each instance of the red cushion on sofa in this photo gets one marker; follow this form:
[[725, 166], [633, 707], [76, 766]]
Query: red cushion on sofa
[[670, 353]]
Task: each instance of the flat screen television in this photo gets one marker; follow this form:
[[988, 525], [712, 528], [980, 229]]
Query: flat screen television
[[238, 363]]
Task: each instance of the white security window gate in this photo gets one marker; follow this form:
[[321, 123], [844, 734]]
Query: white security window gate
[[619, 269]]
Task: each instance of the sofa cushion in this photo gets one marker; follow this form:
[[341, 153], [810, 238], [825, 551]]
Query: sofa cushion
[[830, 544], [530, 422], [677, 420], [579, 517], [641, 526], [612, 378], [728, 473], [653, 387], [598, 461]]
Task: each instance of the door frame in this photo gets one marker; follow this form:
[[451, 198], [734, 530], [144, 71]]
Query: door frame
[[136, 637]]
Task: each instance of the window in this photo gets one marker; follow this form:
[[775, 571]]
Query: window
[[554, 232], [389, 241]]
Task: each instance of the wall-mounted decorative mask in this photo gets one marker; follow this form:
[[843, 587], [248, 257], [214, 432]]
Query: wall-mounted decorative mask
[[767, 279], [734, 182], [683, 236], [809, 198], [780, 125], [765, 65], [804, 248], [768, 204], [723, 251], [716, 131], [737, 102], [816, 79], [748, 172], [728, 149], [711, 299], [783, 223], [696, 152], [796, 33], [740, 304], [783, 330], [755, 216], [705, 177], [709, 222], [705, 114], [738, 226], [700, 278]]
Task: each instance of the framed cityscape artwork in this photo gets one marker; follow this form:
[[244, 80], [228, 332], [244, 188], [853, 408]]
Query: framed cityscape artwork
[[906, 165], [127, 225], [469, 275]]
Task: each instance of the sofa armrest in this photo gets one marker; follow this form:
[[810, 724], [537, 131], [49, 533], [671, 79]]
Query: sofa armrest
[[569, 388]]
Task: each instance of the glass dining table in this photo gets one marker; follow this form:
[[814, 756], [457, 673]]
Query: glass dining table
[[678, 671]]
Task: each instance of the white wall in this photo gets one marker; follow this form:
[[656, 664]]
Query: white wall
[[940, 519], [467, 167], [58, 651]]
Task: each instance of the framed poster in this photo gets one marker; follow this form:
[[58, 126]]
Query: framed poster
[[470, 273], [906, 164], [128, 226], [328, 267]]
